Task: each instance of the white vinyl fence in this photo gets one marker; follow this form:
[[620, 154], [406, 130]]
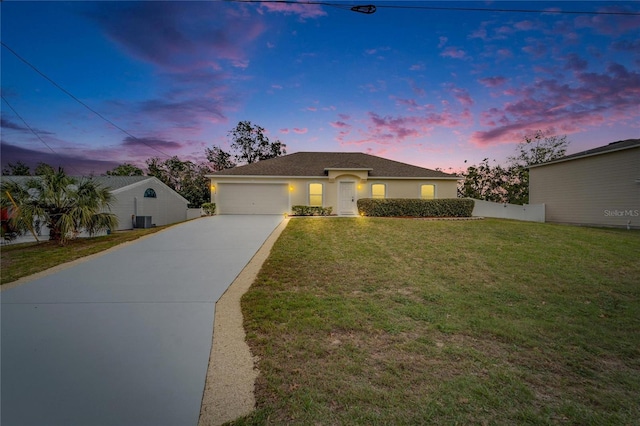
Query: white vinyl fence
[[527, 212]]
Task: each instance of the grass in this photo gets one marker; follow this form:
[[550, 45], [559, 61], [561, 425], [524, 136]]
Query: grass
[[21, 260], [398, 321]]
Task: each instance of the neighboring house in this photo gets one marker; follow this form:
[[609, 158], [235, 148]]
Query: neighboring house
[[326, 179], [144, 196], [140, 201], [600, 186]]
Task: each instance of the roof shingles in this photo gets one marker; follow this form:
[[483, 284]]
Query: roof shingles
[[314, 164]]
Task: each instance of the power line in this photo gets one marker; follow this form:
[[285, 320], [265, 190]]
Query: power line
[[372, 8], [35, 133], [480, 9], [80, 102]]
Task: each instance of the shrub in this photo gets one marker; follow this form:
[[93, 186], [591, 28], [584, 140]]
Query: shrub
[[311, 211], [414, 207], [209, 208]]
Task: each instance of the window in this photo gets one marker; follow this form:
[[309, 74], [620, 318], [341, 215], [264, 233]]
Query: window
[[427, 192], [378, 190], [315, 194], [150, 193]]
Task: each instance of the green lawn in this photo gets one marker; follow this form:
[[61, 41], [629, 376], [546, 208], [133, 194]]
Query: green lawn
[[404, 321], [21, 260]]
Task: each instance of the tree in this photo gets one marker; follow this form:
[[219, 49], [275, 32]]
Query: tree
[[126, 169], [43, 169], [219, 159], [537, 148], [66, 205], [510, 184], [484, 182], [17, 169], [249, 145], [185, 177]]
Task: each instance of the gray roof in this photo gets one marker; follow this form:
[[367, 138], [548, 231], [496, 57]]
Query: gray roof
[[612, 147], [117, 182], [317, 164], [111, 182]]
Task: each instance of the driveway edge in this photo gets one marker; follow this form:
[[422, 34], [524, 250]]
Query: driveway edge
[[231, 374], [61, 267]]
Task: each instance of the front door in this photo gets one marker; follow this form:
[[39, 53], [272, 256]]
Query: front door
[[347, 205]]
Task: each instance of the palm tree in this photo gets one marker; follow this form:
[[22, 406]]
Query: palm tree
[[66, 205]]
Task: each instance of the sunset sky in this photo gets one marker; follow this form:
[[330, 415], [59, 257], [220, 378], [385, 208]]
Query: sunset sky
[[429, 87]]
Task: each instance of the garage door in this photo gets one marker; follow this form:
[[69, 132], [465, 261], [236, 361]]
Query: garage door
[[255, 198]]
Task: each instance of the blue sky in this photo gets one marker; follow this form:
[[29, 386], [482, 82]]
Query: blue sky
[[434, 88]]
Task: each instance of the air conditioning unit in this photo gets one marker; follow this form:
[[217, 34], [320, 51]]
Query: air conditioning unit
[[143, 222]]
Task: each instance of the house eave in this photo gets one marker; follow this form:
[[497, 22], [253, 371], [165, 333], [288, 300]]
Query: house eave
[[593, 154], [326, 177], [354, 169]]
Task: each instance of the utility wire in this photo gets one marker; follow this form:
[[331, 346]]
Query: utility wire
[[36, 133], [79, 101], [372, 8], [481, 9]]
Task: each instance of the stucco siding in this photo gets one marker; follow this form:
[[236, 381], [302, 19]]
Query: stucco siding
[[299, 187], [597, 190]]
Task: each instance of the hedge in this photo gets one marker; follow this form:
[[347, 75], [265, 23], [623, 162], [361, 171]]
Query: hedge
[[414, 207], [209, 208], [311, 211]]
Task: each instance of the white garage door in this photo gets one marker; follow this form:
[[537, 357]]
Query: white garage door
[[254, 198]]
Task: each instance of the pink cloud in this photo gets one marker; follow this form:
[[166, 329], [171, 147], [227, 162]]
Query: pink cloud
[[378, 86], [409, 104], [303, 10], [284, 131], [454, 52], [300, 131], [536, 47], [390, 130], [339, 125], [158, 143], [524, 25], [462, 96], [575, 63], [181, 36], [504, 53], [480, 33], [611, 95], [83, 164], [503, 31], [492, 81], [344, 128], [610, 25]]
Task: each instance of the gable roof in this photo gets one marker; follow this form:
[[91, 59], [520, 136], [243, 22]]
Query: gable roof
[[111, 182], [612, 147], [317, 164], [118, 182], [115, 184]]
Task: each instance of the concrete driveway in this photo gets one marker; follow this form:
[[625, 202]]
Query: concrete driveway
[[124, 338]]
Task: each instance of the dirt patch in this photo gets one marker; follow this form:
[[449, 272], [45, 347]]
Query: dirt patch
[[229, 387]]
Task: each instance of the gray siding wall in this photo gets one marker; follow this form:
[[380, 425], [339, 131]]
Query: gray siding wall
[[168, 207], [598, 190]]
